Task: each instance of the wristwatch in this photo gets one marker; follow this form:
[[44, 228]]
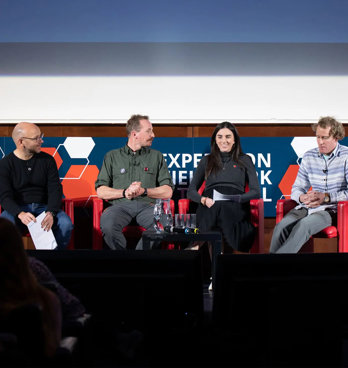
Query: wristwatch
[[145, 193], [53, 213], [327, 198]]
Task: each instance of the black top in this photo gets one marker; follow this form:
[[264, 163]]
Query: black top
[[232, 218], [234, 175], [29, 181]]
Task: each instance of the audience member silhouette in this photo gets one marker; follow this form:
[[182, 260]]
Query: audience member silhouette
[[19, 287]]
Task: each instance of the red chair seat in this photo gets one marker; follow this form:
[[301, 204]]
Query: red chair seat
[[330, 232], [131, 232]]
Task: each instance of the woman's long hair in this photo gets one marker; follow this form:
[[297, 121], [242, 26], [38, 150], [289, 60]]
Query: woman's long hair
[[17, 283], [19, 286], [214, 159]]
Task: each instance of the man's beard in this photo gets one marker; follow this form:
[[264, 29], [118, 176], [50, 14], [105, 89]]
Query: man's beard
[[32, 151]]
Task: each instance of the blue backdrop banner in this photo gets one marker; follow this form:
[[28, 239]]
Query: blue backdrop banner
[[79, 159]]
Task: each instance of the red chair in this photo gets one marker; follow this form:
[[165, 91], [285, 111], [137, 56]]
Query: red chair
[[256, 218], [131, 232], [340, 232], [69, 208]]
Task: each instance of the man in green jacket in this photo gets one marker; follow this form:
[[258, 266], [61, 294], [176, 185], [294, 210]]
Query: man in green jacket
[[131, 179]]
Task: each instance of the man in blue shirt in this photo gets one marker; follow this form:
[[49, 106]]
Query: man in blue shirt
[[325, 169]]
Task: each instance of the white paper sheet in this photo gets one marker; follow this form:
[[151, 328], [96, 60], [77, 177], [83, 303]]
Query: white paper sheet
[[217, 196], [42, 239]]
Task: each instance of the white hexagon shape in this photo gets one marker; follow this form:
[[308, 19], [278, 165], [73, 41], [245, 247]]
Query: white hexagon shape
[[302, 144], [79, 147]]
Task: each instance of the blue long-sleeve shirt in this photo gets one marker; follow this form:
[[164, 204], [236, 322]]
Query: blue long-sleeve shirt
[[323, 175]]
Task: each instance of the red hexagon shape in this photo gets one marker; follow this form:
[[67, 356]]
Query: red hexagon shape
[[288, 180], [50, 151], [83, 187]]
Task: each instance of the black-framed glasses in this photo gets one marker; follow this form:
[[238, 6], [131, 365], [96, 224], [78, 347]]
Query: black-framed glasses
[[37, 139]]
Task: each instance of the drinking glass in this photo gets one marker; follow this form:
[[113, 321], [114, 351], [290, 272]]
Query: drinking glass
[[157, 213], [192, 221], [187, 220], [163, 219], [179, 220]]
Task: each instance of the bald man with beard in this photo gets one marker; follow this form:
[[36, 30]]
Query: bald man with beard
[[30, 184]]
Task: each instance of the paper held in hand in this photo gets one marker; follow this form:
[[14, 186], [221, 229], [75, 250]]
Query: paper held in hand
[[42, 239], [217, 196]]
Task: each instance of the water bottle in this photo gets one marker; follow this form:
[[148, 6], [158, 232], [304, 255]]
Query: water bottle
[[157, 213], [166, 217]]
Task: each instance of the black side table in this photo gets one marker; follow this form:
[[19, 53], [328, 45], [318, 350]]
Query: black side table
[[214, 237]]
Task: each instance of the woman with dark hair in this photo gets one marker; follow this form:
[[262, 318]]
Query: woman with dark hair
[[19, 287], [224, 203]]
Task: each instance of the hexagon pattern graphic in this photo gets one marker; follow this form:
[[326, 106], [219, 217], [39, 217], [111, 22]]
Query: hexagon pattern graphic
[[79, 180], [84, 187], [79, 147], [288, 180], [300, 145], [52, 152]]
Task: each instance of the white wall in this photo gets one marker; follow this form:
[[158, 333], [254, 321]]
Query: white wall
[[176, 99]]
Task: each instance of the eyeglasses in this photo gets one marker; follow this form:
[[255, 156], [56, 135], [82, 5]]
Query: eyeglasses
[[37, 139]]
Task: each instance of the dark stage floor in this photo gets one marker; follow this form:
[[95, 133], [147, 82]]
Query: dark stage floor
[[268, 311], [195, 345]]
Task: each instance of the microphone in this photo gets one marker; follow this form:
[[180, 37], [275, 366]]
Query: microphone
[[325, 171], [186, 230]]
